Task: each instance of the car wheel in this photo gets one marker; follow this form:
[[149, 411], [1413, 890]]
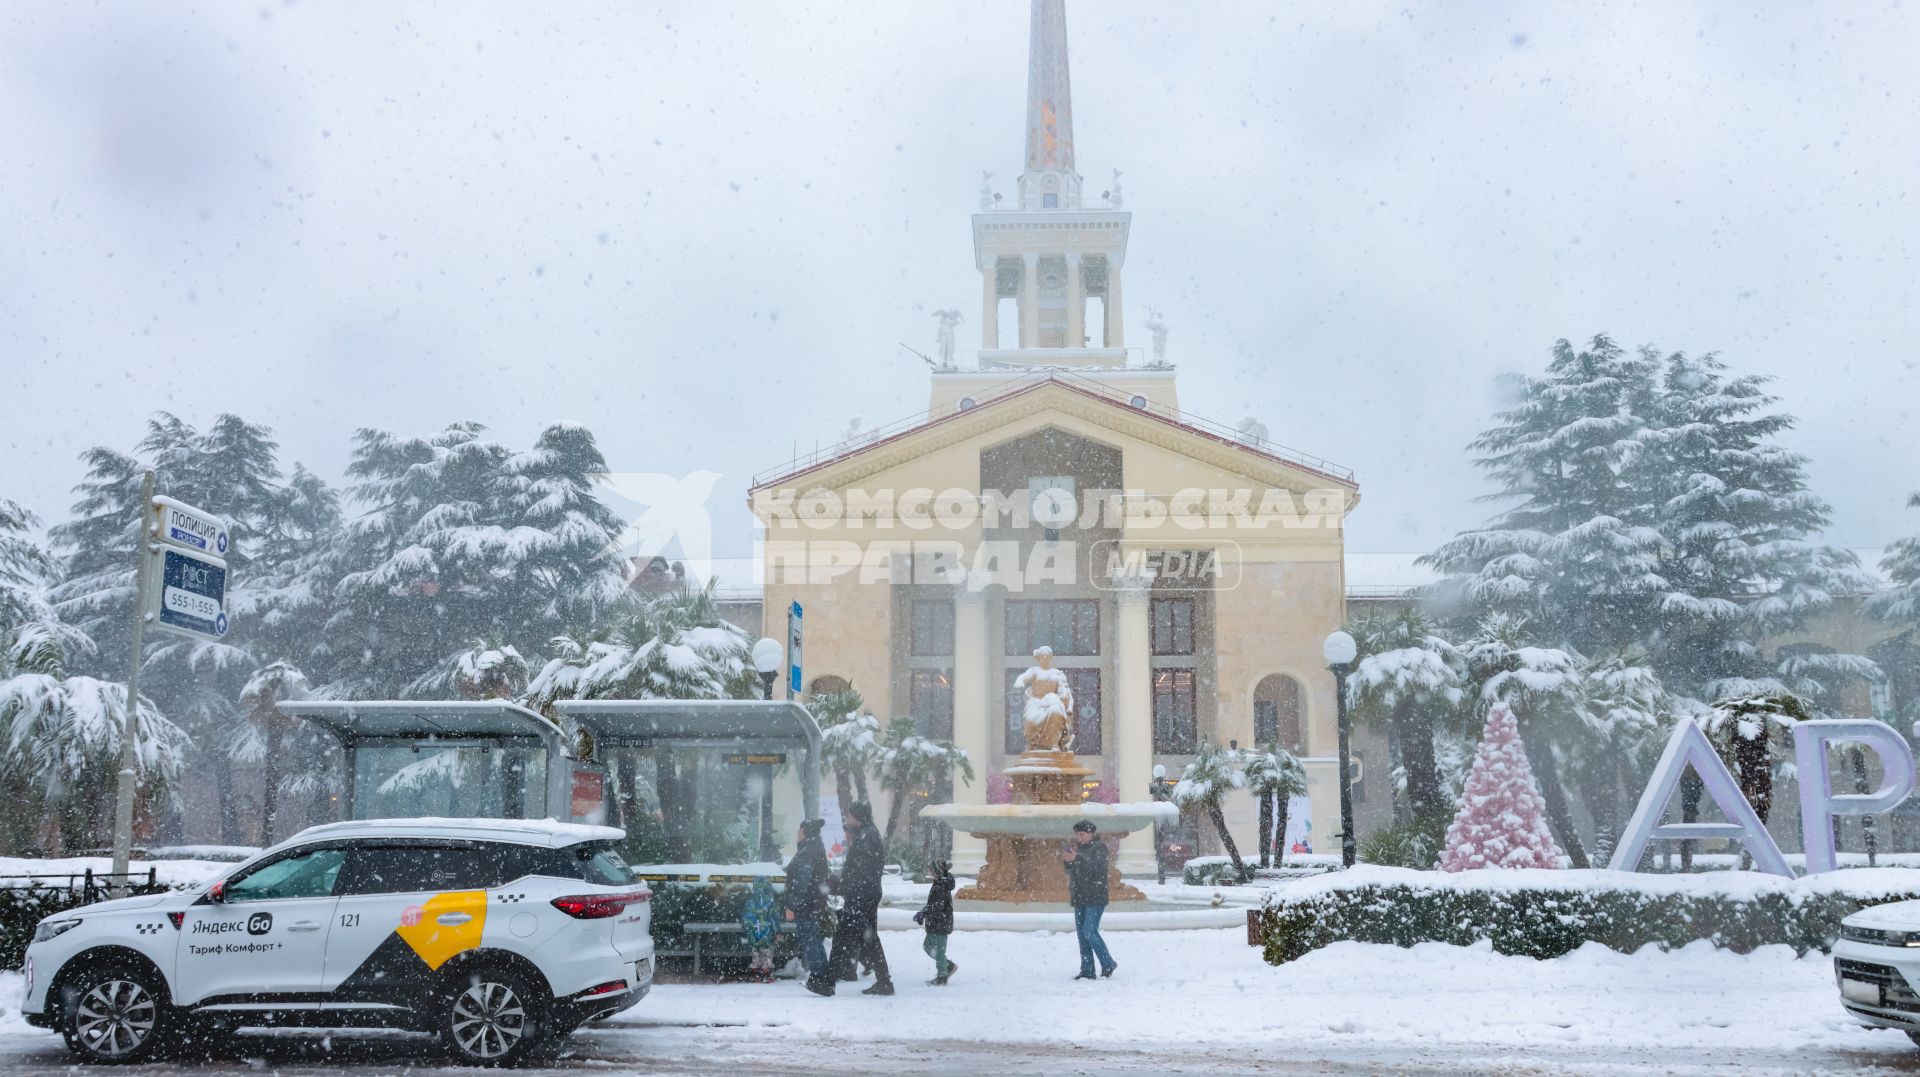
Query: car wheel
[[116, 1014], [493, 1017]]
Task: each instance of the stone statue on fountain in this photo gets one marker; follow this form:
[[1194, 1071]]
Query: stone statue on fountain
[[1047, 713]]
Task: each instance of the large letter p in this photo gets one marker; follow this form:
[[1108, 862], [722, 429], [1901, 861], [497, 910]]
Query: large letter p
[[1819, 803]]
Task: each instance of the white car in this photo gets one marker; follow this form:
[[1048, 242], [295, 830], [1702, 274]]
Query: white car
[[1877, 963], [498, 935]]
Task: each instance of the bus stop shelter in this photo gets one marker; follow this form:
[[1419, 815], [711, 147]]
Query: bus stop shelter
[[531, 763]]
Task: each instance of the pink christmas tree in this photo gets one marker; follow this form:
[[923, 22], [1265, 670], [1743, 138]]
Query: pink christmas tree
[[1502, 822]]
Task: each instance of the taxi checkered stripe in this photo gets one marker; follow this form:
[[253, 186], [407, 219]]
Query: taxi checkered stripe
[[148, 929], [509, 899]]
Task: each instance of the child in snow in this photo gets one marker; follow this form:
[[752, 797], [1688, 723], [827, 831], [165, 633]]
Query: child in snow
[[758, 924], [937, 918]]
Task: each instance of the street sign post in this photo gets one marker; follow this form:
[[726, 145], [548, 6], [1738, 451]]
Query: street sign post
[[180, 585], [794, 683]]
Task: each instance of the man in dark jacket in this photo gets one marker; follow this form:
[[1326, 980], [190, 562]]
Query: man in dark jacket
[[937, 917], [1086, 861], [808, 879], [857, 935]]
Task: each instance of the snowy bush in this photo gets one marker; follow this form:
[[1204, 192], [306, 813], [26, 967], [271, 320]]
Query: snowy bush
[[1543, 913]]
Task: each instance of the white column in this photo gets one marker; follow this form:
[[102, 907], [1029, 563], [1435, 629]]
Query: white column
[[1133, 715], [973, 720], [1029, 300], [1076, 304], [990, 306], [1116, 331]]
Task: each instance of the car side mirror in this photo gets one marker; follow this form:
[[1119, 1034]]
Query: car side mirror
[[217, 893]]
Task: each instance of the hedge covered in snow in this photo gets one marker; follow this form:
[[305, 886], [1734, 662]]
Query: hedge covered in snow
[[1545, 913]]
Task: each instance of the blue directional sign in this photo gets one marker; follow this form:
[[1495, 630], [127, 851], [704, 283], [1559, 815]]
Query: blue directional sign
[[794, 684], [190, 596]]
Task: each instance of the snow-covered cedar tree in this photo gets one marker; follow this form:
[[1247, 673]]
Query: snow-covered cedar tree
[[459, 537], [1273, 775], [910, 762], [60, 738], [1899, 604], [231, 468], [1502, 819], [1409, 683], [1736, 521], [1572, 531], [1206, 783]]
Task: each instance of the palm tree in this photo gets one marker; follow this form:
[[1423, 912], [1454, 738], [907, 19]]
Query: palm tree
[[1214, 773], [1409, 680], [1274, 775], [909, 762], [849, 741], [269, 686]]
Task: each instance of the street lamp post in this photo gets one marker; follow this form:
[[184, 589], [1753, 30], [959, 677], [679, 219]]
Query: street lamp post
[[767, 654], [766, 660], [1339, 651]]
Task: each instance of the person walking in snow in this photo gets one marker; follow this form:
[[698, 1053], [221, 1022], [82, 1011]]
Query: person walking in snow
[[1086, 861], [757, 926], [857, 937], [937, 918], [808, 879]]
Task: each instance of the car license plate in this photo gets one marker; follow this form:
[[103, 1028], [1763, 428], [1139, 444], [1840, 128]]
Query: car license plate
[[1860, 991]]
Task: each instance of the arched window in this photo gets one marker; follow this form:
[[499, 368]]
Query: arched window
[[1279, 715], [827, 683]]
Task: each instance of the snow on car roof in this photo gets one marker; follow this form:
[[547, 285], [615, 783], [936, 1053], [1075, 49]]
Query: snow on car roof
[[545, 832]]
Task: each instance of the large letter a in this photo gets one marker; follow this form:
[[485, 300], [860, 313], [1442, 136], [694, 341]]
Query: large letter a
[[1689, 747]]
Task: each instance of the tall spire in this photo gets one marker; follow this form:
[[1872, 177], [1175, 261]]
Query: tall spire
[[1049, 181]]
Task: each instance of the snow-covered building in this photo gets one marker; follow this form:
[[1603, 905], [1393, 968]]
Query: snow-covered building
[[1184, 572]]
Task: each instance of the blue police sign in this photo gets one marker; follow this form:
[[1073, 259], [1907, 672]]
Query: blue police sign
[[190, 595], [180, 524]]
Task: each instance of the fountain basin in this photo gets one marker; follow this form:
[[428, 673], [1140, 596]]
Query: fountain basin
[[1041, 821]]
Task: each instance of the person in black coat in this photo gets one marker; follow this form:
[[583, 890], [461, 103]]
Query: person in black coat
[[937, 918], [1086, 861], [857, 936], [808, 880]]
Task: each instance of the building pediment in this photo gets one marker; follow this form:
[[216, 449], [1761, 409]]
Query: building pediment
[[1211, 455]]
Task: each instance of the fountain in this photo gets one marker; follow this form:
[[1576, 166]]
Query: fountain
[[1025, 837]]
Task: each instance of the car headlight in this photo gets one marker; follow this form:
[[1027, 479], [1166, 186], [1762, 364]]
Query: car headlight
[[1879, 936], [53, 929]]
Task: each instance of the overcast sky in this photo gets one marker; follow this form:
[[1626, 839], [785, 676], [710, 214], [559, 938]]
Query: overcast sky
[[702, 229]]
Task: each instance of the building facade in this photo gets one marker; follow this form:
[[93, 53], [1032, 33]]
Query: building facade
[[1056, 495]]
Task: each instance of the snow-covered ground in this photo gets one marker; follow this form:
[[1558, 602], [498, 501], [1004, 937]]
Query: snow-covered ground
[[15, 869], [1196, 1001]]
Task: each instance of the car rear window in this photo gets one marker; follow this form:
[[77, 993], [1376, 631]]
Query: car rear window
[[597, 862]]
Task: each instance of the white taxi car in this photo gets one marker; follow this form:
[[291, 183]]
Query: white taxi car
[[498, 935], [1876, 962]]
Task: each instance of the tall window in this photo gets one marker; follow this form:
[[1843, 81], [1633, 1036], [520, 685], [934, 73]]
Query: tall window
[[930, 700], [932, 629], [1175, 731], [1172, 626], [1069, 626], [1277, 713], [1088, 729]]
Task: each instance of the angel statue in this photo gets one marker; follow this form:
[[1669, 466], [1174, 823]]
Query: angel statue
[[1047, 713], [986, 189], [1113, 197], [948, 319]]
